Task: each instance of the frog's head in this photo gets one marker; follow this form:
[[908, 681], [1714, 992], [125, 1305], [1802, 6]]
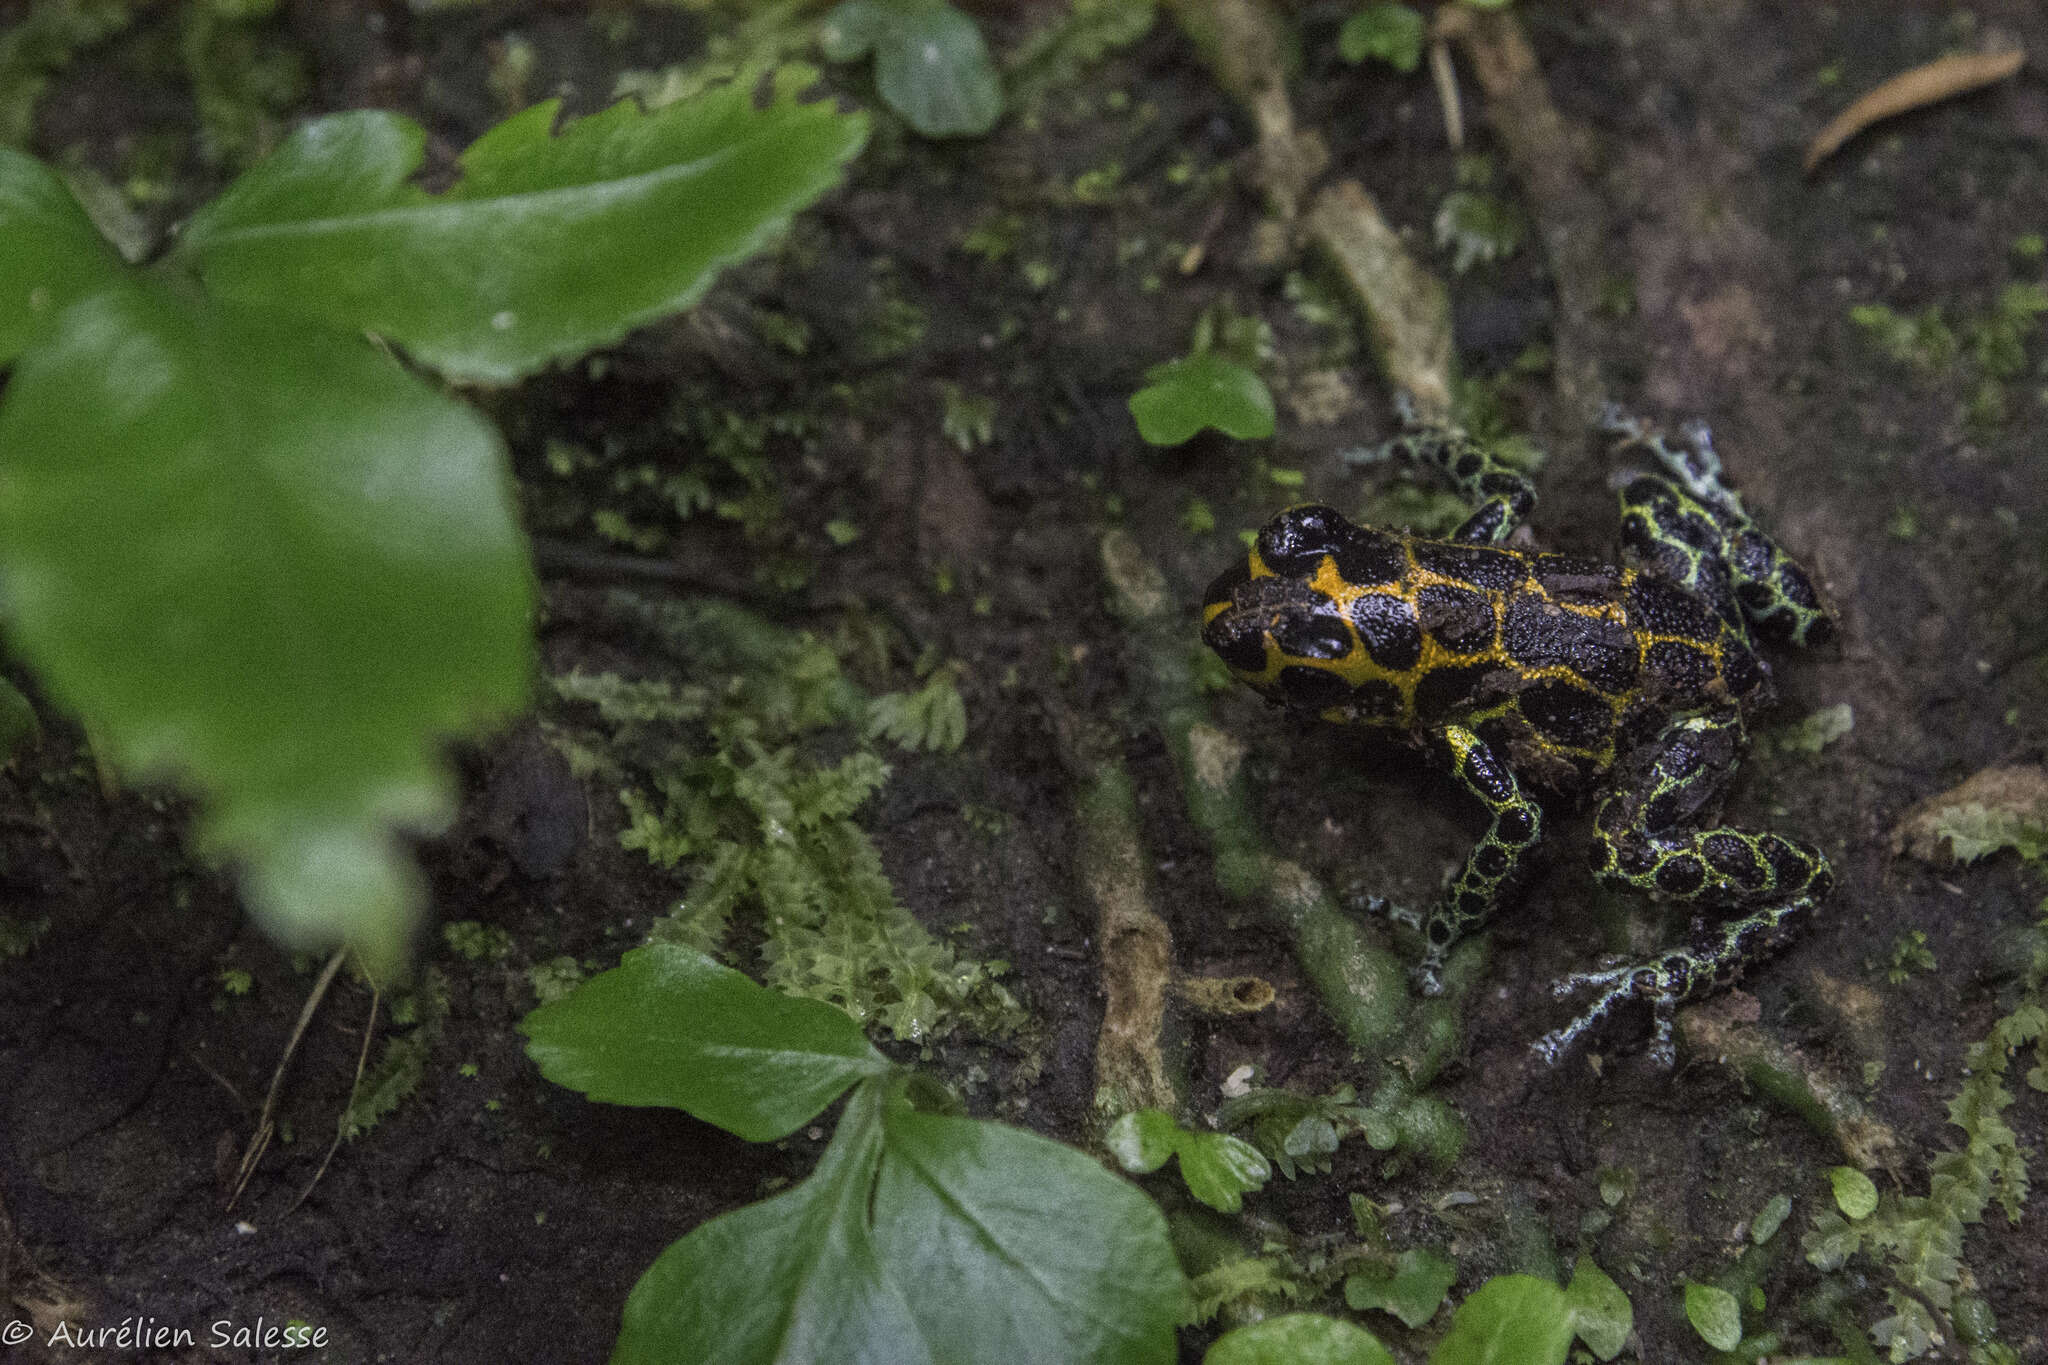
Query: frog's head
[[1278, 617]]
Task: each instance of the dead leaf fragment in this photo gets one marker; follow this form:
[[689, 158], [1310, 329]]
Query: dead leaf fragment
[[1941, 79], [2014, 798]]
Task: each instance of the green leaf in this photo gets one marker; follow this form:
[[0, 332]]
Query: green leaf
[[1299, 1339], [264, 559], [851, 30], [1601, 1313], [1769, 1219], [919, 1238], [1855, 1195], [1218, 1169], [1205, 390], [1393, 34], [1412, 1290], [1715, 1315], [50, 253], [1143, 1141], [934, 717], [669, 1026], [794, 1278], [1023, 1247], [931, 65], [547, 246], [1509, 1320]]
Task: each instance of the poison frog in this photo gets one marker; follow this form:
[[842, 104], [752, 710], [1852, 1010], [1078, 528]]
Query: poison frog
[[1522, 669]]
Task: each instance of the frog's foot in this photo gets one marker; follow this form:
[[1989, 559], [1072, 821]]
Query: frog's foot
[[1427, 975], [1655, 981], [1691, 460]]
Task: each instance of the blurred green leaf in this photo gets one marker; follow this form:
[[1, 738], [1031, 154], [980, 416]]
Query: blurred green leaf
[[1509, 1320], [50, 253], [1769, 1219], [1715, 1315], [1600, 1311], [920, 1238], [1855, 1195], [262, 558], [1183, 396], [1218, 1169], [1390, 33], [796, 1277], [1023, 1247], [669, 1026], [1412, 1290], [931, 65], [1299, 1339], [549, 244]]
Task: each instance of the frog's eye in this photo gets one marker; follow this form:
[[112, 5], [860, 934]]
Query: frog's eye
[[1294, 542]]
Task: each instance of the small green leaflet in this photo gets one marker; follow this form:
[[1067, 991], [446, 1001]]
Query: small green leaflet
[[1183, 396], [669, 1026], [1509, 1320], [1601, 1314], [931, 65], [550, 244], [1715, 1315], [1855, 1195], [1299, 1339], [1392, 33], [1218, 1169], [1412, 1290]]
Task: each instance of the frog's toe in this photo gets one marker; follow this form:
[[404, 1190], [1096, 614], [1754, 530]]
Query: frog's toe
[[1396, 914], [1616, 420], [1574, 982], [1615, 985]]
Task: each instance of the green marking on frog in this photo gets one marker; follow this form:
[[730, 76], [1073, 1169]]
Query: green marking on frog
[[1567, 673]]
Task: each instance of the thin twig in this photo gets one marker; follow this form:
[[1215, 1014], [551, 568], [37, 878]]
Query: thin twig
[[266, 1127], [225, 1084], [341, 1124], [1938, 80], [1445, 77]]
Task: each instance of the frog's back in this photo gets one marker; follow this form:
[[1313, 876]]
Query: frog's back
[[1556, 658]]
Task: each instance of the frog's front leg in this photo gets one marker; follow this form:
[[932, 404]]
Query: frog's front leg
[[1493, 862], [1691, 525], [1500, 496], [1650, 835]]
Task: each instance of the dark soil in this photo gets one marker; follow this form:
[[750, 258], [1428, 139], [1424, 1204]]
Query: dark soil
[[494, 1217]]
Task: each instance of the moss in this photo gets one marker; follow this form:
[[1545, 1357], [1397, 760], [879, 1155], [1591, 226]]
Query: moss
[[722, 779], [416, 1018], [1919, 1238]]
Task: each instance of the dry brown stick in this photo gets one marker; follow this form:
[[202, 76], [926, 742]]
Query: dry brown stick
[[1923, 85], [266, 1126], [1570, 217], [1245, 44], [1407, 310], [348, 1106]]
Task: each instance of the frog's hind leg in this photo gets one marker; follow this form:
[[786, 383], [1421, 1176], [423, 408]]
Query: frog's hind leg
[[1493, 862], [1500, 497], [1650, 835], [1686, 522]]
